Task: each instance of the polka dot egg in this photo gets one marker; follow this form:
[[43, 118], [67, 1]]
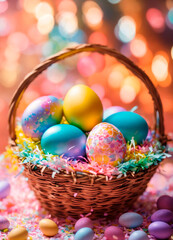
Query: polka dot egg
[[106, 145]]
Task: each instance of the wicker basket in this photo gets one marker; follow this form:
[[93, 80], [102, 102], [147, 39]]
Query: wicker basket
[[94, 193]]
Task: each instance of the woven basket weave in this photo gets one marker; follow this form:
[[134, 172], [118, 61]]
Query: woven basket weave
[[94, 193]]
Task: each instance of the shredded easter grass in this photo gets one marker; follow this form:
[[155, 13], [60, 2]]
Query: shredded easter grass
[[138, 157]]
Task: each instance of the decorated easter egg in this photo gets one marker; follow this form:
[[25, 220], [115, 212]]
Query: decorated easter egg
[[130, 220], [48, 227], [4, 189], [41, 114], [84, 234], [19, 233], [64, 139], [138, 235], [165, 202], [4, 223], [163, 215], [114, 109], [83, 222], [160, 230], [113, 232], [105, 145], [82, 107], [130, 124]]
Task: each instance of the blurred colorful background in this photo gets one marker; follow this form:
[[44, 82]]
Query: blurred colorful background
[[32, 30]]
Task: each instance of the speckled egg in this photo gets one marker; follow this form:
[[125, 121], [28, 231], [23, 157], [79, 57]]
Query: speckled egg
[[163, 215], [41, 114], [84, 234], [130, 220], [48, 227], [82, 107], [64, 139], [165, 202], [4, 188], [4, 223], [19, 233], [138, 235], [130, 124], [113, 109], [160, 230], [106, 145], [113, 232], [83, 222]]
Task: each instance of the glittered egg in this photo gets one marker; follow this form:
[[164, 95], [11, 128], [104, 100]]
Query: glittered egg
[[138, 235], [114, 232], [83, 222], [64, 139], [41, 114], [4, 223], [82, 107], [4, 189], [130, 124], [130, 220], [84, 234], [19, 233], [163, 215], [160, 230], [106, 145], [165, 202], [113, 109], [48, 227]]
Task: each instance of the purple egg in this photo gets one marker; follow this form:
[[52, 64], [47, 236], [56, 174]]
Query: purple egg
[[160, 230], [130, 220], [40, 115], [114, 109], [165, 202], [112, 233], [163, 215], [83, 222], [4, 189], [4, 223]]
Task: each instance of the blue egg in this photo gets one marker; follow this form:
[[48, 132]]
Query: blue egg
[[84, 234], [41, 114], [130, 124], [130, 220], [64, 139], [4, 189], [138, 235]]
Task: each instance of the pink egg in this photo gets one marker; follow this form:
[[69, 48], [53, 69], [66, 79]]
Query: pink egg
[[165, 202], [83, 222], [112, 233]]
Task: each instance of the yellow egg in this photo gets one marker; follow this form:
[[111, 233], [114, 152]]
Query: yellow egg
[[82, 107], [19, 233], [48, 227]]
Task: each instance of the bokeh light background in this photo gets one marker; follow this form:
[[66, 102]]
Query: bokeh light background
[[32, 30]]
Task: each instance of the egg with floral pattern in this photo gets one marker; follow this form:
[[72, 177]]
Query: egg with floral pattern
[[106, 145]]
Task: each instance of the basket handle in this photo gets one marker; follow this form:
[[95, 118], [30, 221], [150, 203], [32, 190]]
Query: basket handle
[[158, 108]]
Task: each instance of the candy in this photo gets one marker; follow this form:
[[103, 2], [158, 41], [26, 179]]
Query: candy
[[48, 227], [160, 230], [84, 234], [4, 189], [112, 233], [83, 222], [130, 220]]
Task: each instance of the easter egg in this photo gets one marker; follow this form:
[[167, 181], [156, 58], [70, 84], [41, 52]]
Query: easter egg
[[163, 215], [114, 109], [113, 232], [138, 235], [105, 145], [130, 124], [4, 189], [165, 202], [160, 230], [130, 220], [4, 223], [82, 107], [48, 227], [41, 114], [19, 233], [64, 139], [84, 234], [83, 222]]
